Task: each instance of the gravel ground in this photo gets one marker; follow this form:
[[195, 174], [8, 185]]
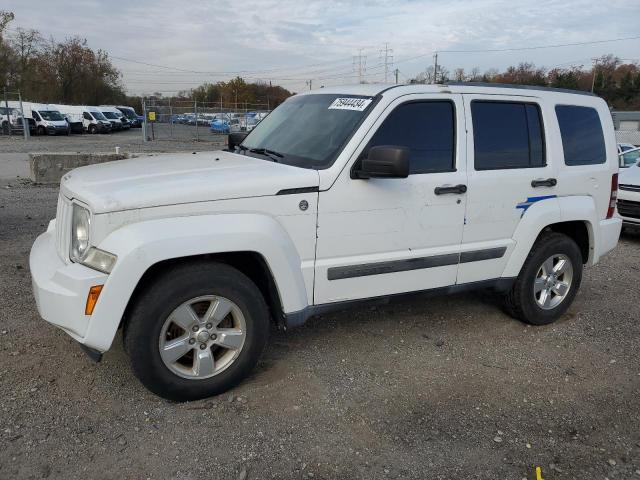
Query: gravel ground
[[130, 141], [443, 388]]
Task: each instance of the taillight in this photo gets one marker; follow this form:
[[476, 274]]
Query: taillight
[[614, 195]]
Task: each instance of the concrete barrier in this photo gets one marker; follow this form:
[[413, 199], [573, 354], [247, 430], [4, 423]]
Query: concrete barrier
[[48, 168]]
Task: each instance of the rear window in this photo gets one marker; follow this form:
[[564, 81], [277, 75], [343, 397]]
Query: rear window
[[507, 135], [582, 137]]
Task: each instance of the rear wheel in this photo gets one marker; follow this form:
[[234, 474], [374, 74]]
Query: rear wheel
[[197, 331], [548, 282]]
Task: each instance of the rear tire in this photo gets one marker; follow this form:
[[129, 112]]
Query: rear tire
[[213, 361], [548, 281]]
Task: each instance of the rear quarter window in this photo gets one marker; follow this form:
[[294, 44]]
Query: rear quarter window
[[582, 137]]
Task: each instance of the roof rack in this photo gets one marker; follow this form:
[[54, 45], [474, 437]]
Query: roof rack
[[520, 87]]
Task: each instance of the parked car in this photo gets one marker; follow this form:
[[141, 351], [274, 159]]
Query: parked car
[[135, 120], [93, 121], [623, 147], [340, 196], [11, 121], [113, 115], [48, 120], [74, 119], [629, 156], [219, 125], [629, 194]]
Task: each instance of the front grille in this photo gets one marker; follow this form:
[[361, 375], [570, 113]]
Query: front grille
[[63, 227], [629, 209], [629, 187]]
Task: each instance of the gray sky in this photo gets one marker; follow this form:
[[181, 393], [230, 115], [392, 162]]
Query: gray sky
[[289, 41]]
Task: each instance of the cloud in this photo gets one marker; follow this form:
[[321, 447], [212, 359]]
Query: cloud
[[290, 40]]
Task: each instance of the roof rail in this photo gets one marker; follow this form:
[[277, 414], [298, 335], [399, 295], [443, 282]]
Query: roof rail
[[521, 87]]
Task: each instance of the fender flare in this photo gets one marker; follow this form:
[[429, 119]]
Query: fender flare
[[141, 245], [542, 214]]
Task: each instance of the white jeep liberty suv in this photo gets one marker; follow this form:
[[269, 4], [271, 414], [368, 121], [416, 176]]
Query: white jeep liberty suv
[[340, 195]]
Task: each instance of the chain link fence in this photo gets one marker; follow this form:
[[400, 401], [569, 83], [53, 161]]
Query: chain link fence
[[12, 119], [628, 136], [185, 120]]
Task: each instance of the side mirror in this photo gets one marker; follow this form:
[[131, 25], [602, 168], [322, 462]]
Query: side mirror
[[384, 161], [235, 139]]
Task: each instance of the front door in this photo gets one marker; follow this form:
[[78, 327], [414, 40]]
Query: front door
[[383, 236]]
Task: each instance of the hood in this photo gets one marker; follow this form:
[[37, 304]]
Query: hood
[[171, 179], [629, 175]]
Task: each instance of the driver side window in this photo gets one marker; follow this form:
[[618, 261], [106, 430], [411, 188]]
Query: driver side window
[[427, 129], [87, 116]]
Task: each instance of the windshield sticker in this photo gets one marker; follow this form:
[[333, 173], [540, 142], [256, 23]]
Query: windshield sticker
[[357, 104]]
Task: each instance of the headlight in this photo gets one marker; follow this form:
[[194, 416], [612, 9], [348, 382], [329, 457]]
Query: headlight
[[80, 224]]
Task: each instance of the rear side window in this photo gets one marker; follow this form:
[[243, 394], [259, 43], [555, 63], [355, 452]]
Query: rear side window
[[427, 129], [582, 137], [507, 135]]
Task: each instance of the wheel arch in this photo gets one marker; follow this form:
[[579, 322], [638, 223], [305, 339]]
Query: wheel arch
[[255, 244], [250, 263], [573, 216]]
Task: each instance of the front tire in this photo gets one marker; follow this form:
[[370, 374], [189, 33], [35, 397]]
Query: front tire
[[197, 331], [548, 281]]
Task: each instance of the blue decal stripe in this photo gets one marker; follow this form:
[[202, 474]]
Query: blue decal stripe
[[531, 200]]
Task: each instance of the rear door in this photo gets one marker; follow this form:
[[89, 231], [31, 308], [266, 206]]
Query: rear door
[[510, 169]]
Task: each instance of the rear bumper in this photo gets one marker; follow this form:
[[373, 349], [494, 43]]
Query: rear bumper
[[609, 233], [61, 289]]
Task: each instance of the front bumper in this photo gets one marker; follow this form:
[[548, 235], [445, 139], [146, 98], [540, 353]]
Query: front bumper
[[61, 289], [629, 204]]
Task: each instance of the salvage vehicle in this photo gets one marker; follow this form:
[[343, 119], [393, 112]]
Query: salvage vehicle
[[629, 195], [339, 197]]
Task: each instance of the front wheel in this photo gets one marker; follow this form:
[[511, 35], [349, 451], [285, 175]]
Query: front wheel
[[197, 331], [548, 282], [93, 129]]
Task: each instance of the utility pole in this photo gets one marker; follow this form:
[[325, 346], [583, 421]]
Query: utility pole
[[435, 68], [6, 104], [309, 82], [593, 80], [359, 63], [396, 71], [387, 58]]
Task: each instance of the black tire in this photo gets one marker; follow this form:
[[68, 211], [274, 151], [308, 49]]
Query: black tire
[[180, 284], [520, 302], [41, 131], [5, 128], [93, 129]]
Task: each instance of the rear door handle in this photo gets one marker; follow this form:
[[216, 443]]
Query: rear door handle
[[459, 189], [544, 182]]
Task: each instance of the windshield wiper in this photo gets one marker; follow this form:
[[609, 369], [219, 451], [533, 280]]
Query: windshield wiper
[[268, 153]]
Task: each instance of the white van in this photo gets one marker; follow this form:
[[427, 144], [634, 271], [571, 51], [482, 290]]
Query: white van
[[47, 118], [93, 121], [113, 115]]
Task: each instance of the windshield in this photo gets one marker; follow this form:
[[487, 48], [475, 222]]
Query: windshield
[[309, 130], [129, 113], [110, 115], [97, 115], [629, 158], [51, 116]]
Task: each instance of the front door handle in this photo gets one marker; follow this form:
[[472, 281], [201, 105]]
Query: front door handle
[[459, 189], [544, 182]]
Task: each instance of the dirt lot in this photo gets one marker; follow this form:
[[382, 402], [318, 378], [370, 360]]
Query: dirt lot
[[184, 139], [444, 388]]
